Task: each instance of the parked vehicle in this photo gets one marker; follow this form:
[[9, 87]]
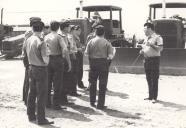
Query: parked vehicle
[[111, 20], [172, 28], [12, 46]]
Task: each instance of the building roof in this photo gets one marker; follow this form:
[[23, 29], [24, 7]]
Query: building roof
[[100, 8]]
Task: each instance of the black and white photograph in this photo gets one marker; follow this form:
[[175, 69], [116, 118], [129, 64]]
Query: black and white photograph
[[92, 63]]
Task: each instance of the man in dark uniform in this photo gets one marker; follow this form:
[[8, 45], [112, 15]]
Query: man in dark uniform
[[36, 51], [151, 50], [79, 55], [57, 49], [99, 51]]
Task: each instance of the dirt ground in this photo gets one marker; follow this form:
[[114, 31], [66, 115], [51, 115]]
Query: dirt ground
[[126, 107]]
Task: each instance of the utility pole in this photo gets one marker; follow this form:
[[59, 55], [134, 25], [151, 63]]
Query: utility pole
[[2, 16]]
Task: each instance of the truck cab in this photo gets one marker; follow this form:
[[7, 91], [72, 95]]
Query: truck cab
[[172, 28], [111, 20]]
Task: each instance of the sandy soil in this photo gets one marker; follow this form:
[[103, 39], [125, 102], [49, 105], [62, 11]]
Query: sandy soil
[[126, 107]]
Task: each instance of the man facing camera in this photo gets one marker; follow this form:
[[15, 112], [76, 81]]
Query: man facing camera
[[151, 49]]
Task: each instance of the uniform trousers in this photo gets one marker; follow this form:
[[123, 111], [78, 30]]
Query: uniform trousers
[[37, 90], [70, 78], [55, 78], [151, 66], [26, 79], [79, 68], [99, 68]]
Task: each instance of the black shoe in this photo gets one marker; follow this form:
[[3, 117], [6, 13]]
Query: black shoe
[[58, 107], [45, 122], [147, 99], [93, 105], [101, 107], [32, 118]]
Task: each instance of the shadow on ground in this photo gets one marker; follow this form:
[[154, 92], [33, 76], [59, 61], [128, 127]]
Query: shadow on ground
[[119, 94], [67, 114], [85, 110], [85, 95], [120, 114], [179, 107]]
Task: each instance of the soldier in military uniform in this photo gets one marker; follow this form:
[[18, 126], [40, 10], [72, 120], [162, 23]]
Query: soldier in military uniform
[[25, 60], [36, 51], [99, 51], [57, 49], [64, 30], [151, 49]]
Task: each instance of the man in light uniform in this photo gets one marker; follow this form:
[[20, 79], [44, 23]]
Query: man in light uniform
[[99, 51], [36, 51], [151, 49]]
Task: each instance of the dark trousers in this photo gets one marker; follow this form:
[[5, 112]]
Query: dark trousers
[[55, 78], [79, 68], [98, 71], [26, 85], [37, 89], [151, 66], [70, 78], [26, 79]]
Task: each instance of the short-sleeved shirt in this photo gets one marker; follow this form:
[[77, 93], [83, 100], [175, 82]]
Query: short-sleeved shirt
[[98, 47], [72, 43], [148, 50], [56, 43], [35, 49]]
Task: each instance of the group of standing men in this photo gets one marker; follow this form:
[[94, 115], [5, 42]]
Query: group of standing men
[[54, 64], [54, 61]]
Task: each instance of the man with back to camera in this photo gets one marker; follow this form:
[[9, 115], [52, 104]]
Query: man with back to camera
[[57, 49], [36, 51], [99, 51], [151, 49]]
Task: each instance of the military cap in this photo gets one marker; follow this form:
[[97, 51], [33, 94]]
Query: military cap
[[64, 23], [34, 19], [96, 15], [38, 23]]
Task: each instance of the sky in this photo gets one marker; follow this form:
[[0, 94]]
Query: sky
[[134, 12]]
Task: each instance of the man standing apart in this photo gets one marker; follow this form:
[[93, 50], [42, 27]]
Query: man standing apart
[[151, 49], [99, 51], [37, 57]]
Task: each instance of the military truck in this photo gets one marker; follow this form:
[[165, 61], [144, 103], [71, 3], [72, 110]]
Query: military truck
[[172, 28], [111, 20]]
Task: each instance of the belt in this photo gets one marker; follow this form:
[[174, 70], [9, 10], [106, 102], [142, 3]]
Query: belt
[[55, 55], [153, 57], [37, 66]]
